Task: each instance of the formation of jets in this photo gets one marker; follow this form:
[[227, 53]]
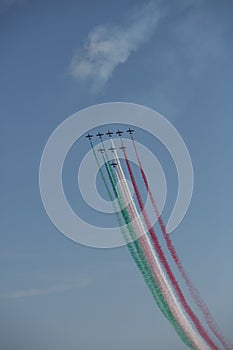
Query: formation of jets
[[110, 133]]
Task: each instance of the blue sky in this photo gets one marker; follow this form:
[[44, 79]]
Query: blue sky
[[175, 58]]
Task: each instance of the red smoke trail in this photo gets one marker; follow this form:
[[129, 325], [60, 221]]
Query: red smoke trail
[[193, 291], [163, 260]]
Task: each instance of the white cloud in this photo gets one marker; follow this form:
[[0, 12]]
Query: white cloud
[[108, 46], [32, 292]]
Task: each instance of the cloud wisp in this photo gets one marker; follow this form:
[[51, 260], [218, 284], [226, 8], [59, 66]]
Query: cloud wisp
[[108, 46], [34, 292]]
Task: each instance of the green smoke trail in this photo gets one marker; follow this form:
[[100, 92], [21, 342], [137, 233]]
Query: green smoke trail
[[135, 247]]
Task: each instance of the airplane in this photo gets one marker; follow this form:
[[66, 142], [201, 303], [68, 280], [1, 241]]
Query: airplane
[[119, 132], [112, 149], [122, 148], [89, 136], [130, 131], [109, 133], [114, 164], [100, 135], [101, 150]]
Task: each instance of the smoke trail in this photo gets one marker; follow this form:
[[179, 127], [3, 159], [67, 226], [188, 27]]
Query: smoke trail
[[140, 259], [163, 260], [158, 272], [193, 291], [139, 256]]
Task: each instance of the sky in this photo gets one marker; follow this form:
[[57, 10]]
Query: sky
[[58, 57]]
